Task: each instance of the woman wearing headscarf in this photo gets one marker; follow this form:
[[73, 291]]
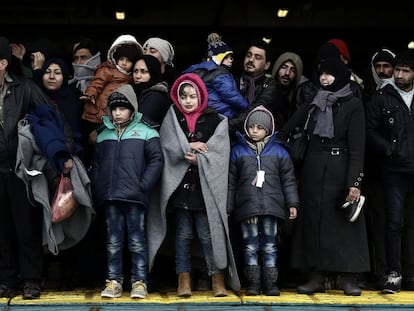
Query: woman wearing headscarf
[[152, 92], [326, 239]]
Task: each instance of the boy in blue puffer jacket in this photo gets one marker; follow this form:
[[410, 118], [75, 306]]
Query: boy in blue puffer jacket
[[262, 192]]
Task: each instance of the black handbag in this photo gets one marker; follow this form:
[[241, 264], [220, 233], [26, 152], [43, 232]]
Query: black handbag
[[298, 142]]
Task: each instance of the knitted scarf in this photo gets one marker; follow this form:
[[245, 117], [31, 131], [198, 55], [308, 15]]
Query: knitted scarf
[[323, 101], [83, 73], [258, 146], [249, 86]]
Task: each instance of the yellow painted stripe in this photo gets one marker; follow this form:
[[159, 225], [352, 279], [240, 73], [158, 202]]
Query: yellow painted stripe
[[289, 297]]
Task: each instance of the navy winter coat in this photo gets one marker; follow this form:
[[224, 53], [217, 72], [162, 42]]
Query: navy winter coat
[[279, 191]]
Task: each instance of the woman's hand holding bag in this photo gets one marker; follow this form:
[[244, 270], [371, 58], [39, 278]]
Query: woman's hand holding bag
[[63, 203]]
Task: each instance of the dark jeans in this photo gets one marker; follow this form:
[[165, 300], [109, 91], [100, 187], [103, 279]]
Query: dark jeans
[[396, 187], [260, 238], [185, 222], [121, 216], [21, 251]]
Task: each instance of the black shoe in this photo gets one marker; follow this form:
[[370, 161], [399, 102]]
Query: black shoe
[[315, 284], [31, 290], [350, 284], [352, 210], [6, 292]]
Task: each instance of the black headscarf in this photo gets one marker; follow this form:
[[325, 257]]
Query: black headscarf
[[154, 68], [66, 98], [339, 70]]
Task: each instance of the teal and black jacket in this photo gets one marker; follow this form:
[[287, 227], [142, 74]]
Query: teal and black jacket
[[126, 167]]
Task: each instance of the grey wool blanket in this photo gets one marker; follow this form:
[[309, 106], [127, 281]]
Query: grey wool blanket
[[30, 166], [213, 167]]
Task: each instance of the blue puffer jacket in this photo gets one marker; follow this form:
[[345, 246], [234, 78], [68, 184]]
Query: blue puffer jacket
[[126, 168], [223, 93], [279, 191]]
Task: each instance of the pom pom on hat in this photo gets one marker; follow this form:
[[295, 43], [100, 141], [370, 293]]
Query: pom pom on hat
[[127, 50], [5, 49], [217, 50], [384, 55], [163, 47], [342, 47]]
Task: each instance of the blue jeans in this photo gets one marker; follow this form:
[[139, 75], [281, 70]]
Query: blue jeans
[[396, 187], [260, 237], [185, 221], [129, 216]]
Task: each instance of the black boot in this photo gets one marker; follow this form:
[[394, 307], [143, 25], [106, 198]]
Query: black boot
[[269, 280], [349, 282], [315, 284], [252, 274]]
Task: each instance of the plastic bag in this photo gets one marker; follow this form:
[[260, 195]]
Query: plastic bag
[[63, 203]]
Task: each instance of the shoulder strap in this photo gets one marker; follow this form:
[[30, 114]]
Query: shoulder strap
[[308, 118]]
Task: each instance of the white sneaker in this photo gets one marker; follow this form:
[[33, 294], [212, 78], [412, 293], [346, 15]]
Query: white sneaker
[[113, 289], [139, 290]]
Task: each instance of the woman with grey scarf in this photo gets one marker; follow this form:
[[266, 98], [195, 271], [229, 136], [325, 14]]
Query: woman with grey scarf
[[325, 241]]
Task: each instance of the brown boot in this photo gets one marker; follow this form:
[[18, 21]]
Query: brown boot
[[219, 289], [184, 287]]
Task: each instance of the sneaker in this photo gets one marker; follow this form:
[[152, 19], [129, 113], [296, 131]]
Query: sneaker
[[392, 284], [139, 290], [31, 290], [113, 289], [352, 210]]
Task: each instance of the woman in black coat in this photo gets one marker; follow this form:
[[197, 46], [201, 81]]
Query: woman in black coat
[[324, 240], [152, 92]]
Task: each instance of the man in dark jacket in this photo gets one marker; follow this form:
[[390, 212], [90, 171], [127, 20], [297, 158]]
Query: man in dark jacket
[[256, 86], [21, 252], [390, 133]]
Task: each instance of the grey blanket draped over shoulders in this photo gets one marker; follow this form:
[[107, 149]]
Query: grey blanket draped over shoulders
[[213, 169], [30, 164]]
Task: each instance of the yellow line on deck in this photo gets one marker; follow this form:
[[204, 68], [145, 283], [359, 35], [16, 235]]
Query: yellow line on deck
[[288, 297]]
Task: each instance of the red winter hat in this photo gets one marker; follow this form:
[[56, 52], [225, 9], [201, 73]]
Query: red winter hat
[[342, 47]]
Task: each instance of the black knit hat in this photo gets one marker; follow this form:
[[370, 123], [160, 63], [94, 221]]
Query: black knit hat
[[117, 99], [217, 50], [128, 50], [5, 49], [384, 55]]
